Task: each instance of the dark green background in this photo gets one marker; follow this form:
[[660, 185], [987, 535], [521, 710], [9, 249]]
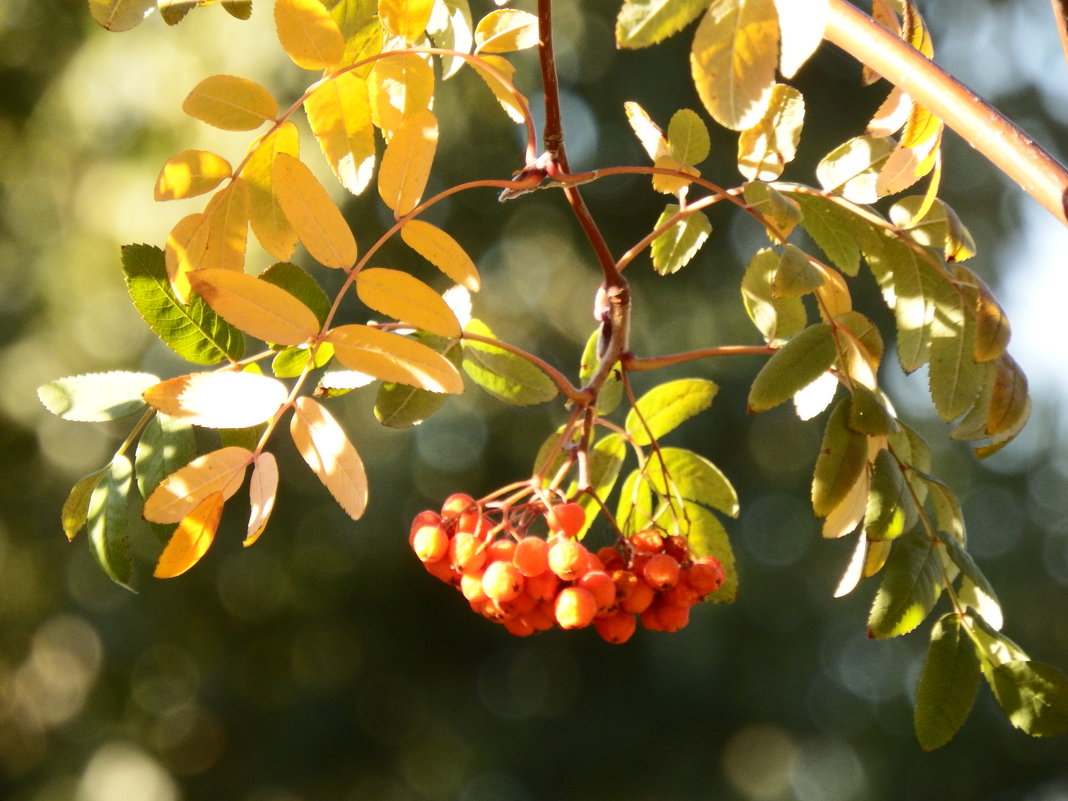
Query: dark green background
[[323, 663]]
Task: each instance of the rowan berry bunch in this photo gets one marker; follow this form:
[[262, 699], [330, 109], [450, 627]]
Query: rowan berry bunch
[[527, 582]]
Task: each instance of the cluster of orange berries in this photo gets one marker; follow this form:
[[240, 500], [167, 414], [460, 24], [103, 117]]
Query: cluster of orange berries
[[529, 583]]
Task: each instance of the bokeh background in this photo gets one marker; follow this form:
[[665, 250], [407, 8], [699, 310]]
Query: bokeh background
[[323, 663]]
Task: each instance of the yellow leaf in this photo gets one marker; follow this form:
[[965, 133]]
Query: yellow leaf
[[441, 250], [398, 87], [340, 117], [647, 131], [323, 445], [268, 221], [671, 184], [308, 34], [184, 252], [735, 52], [405, 18], [258, 308], [891, 114], [766, 148], [120, 15], [505, 30], [406, 298], [845, 517], [191, 540], [801, 23], [407, 161], [391, 357], [226, 216], [512, 105], [313, 215], [219, 400], [231, 103], [262, 491], [190, 173], [182, 491]]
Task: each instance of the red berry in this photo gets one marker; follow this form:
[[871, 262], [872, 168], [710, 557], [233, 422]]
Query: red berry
[[456, 503], [531, 556], [574, 608], [602, 588], [430, 543], [542, 587], [705, 575], [661, 572], [647, 542], [566, 519], [617, 628]]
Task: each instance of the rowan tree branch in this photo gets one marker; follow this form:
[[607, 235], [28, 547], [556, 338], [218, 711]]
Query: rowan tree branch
[[980, 124]]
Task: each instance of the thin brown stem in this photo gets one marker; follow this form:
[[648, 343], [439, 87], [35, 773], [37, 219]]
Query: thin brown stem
[[980, 124], [632, 363], [565, 387]]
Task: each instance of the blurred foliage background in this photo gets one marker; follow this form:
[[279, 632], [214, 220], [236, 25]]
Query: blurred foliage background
[[323, 663]]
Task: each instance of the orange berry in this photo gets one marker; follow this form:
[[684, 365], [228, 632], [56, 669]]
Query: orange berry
[[566, 519], [442, 570], [705, 575], [522, 604], [502, 581], [542, 587], [661, 572], [567, 558], [611, 558], [531, 556], [682, 594], [500, 550], [466, 553], [637, 598], [430, 543], [574, 608], [427, 518], [665, 617], [519, 626], [647, 542], [617, 628], [471, 587], [541, 617], [473, 522], [678, 547], [456, 503], [602, 588]]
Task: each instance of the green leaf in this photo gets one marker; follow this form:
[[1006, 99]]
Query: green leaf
[[938, 228], [247, 438], [770, 144], [674, 248], [912, 584], [403, 406], [796, 275], [75, 510], [165, 445], [679, 472], [783, 212], [1033, 695], [955, 377], [604, 462], [300, 285], [852, 169], [948, 684], [864, 331], [194, 332], [688, 137], [975, 591], [708, 537], [291, 362], [868, 413], [890, 510], [836, 229], [502, 374], [645, 22], [842, 459], [635, 506], [96, 397], [611, 393], [778, 319], [107, 519], [667, 406], [792, 367]]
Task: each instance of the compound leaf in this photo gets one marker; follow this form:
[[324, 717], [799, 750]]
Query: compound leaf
[[392, 357], [331, 456]]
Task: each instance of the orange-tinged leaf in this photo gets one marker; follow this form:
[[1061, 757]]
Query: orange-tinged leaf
[[313, 215], [322, 443], [406, 298], [441, 250], [391, 357], [184, 252], [672, 184], [308, 34], [231, 103], [258, 308], [182, 491], [398, 87], [262, 491], [405, 18], [407, 161], [191, 540], [513, 106], [226, 217], [268, 221], [506, 30], [219, 400], [190, 173], [340, 117]]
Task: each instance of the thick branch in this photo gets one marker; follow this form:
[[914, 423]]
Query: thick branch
[[982, 126]]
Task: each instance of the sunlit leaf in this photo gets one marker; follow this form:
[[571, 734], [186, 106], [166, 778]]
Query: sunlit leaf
[[406, 162], [257, 307], [844, 518], [868, 413], [692, 477], [339, 113], [611, 392], [262, 492], [735, 52], [314, 216], [852, 169], [674, 248], [292, 362], [1033, 695], [796, 276], [604, 461], [450, 28], [226, 220], [308, 34], [801, 25], [231, 103], [667, 406], [814, 398], [646, 22], [398, 87], [190, 173], [75, 512], [401, 405], [331, 456], [843, 457], [191, 540], [406, 19], [506, 30], [120, 15], [912, 584], [440, 249], [795, 365], [975, 590], [955, 377], [948, 684], [404, 297], [688, 138], [193, 331], [647, 131], [166, 444], [268, 221], [781, 211], [890, 511], [635, 505], [708, 537], [777, 318], [392, 357], [183, 490], [96, 397], [992, 328], [838, 232], [939, 227], [107, 521], [300, 285], [765, 148], [219, 400], [515, 107], [502, 374]]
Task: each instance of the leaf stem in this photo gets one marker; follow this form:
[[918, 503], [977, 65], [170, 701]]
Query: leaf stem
[[633, 363]]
